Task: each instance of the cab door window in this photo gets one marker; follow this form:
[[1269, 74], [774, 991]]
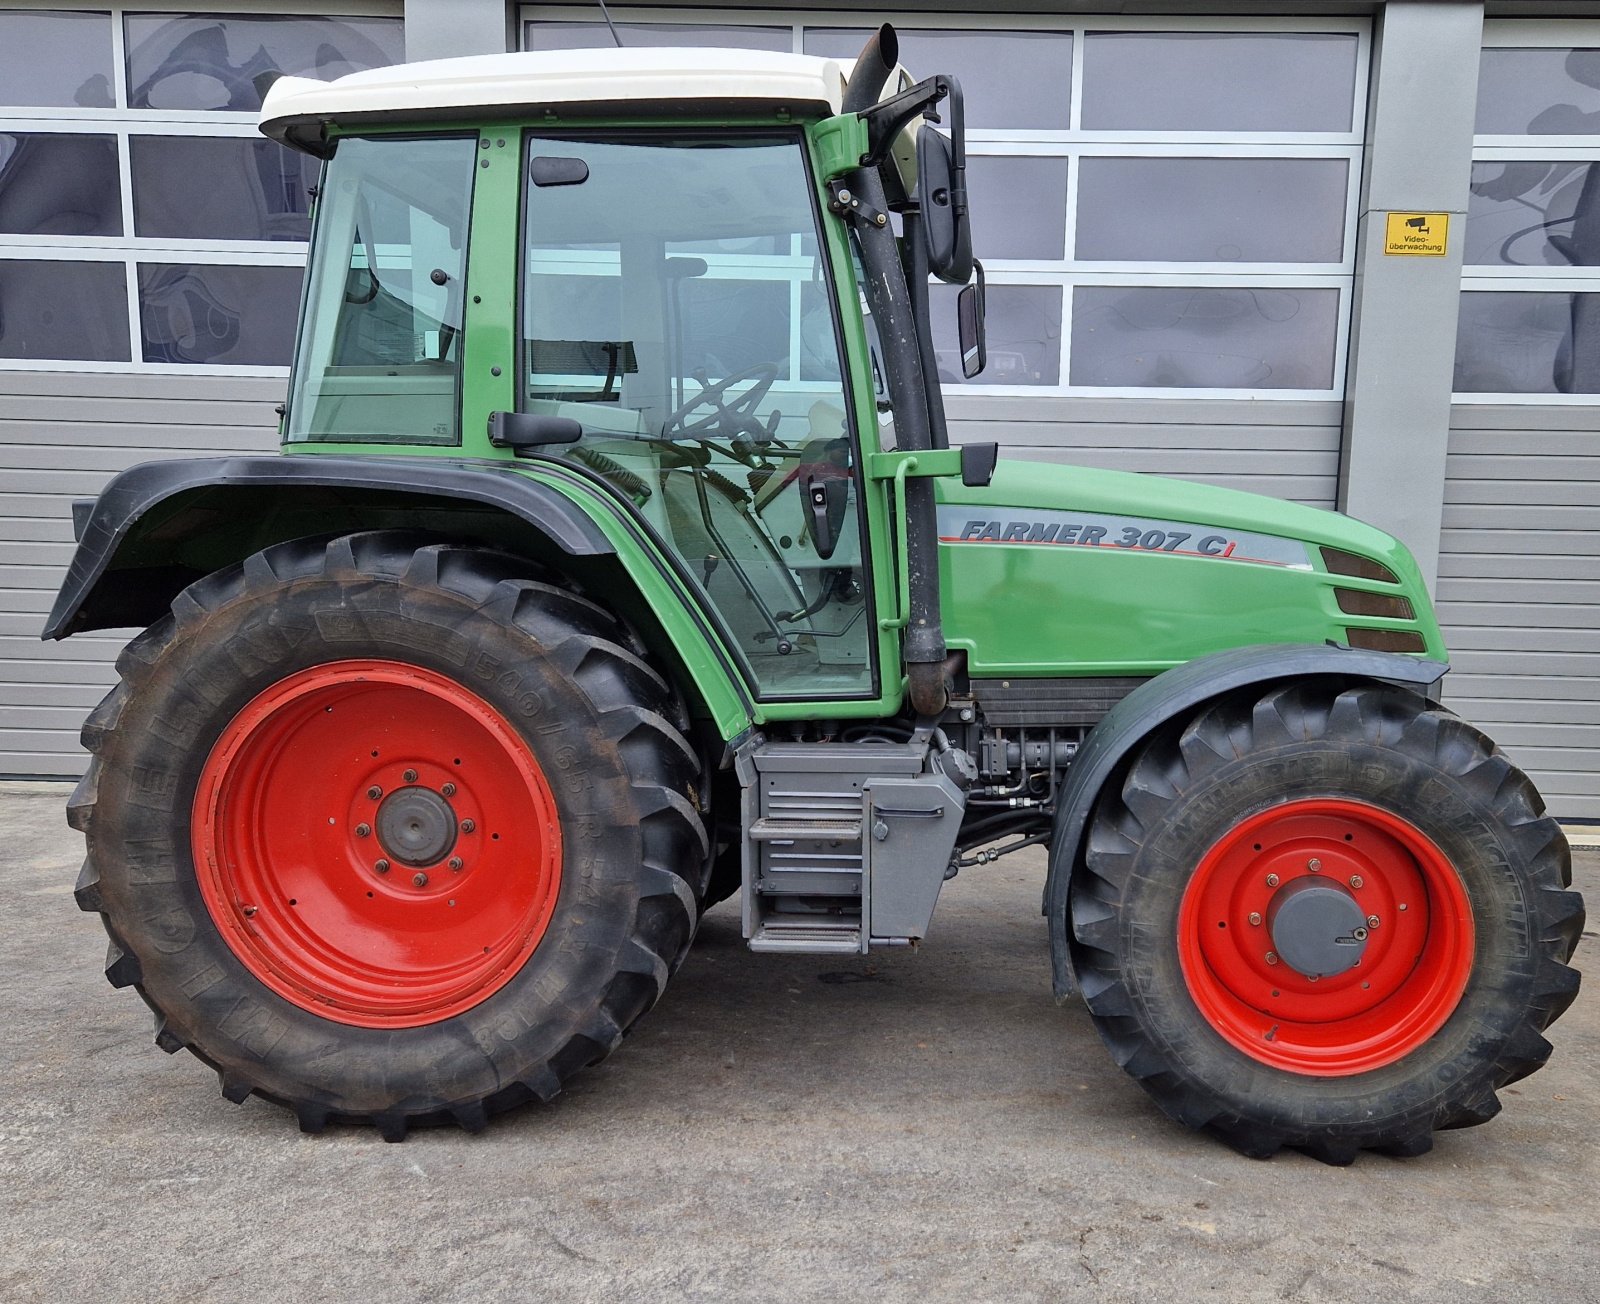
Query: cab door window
[[675, 302]]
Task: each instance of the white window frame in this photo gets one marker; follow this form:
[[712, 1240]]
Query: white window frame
[[1074, 144], [1531, 34], [121, 122]]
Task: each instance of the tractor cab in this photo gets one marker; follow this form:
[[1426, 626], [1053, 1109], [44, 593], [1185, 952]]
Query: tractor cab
[[673, 330]]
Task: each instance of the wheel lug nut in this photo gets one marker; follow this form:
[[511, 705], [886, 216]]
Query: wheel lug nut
[[1355, 880], [374, 792], [1272, 880], [456, 863], [363, 830], [1372, 920], [419, 880], [382, 867], [1313, 864], [1255, 920], [467, 826], [1360, 934], [1272, 957], [249, 912], [410, 776], [449, 790]]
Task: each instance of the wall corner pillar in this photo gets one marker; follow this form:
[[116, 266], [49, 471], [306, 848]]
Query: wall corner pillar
[[1403, 324]]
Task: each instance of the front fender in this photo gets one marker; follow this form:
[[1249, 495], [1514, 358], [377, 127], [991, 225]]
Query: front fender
[[1168, 696]]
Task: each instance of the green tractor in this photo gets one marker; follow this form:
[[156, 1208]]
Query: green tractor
[[618, 562]]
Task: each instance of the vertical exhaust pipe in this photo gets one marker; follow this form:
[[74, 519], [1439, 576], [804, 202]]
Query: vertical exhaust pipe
[[922, 644], [877, 60]]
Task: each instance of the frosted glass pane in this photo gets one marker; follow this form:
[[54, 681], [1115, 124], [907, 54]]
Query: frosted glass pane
[[1524, 342], [244, 315], [1253, 210], [55, 60], [220, 188], [56, 310], [1548, 92], [212, 61], [594, 36], [1532, 214], [1019, 206], [59, 184], [1202, 338], [1218, 81]]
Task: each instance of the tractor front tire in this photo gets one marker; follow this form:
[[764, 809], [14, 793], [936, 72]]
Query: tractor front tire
[[1331, 917], [390, 831]]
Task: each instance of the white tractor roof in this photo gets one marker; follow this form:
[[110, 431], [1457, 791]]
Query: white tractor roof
[[296, 108]]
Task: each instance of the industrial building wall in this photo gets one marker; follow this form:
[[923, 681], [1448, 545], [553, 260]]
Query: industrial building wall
[[62, 436], [1286, 450], [1519, 590]]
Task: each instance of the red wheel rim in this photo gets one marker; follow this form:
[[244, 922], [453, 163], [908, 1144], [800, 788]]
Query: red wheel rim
[[376, 844], [1412, 970]]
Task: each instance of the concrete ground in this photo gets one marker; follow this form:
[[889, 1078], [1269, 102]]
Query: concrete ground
[[923, 1126]]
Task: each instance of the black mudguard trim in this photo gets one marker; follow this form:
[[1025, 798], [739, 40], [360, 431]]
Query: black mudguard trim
[[136, 491], [1174, 693]]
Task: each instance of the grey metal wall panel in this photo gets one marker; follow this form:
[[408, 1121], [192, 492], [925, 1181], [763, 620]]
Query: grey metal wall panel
[[62, 436], [1519, 589], [1287, 450]]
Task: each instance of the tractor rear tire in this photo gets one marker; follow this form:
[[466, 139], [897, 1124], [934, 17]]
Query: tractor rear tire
[[390, 831], [1406, 829]]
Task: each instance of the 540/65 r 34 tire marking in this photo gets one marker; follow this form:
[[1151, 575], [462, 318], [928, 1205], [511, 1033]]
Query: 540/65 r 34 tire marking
[[347, 836]]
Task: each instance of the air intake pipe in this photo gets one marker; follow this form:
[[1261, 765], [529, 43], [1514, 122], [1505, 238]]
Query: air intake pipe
[[923, 642]]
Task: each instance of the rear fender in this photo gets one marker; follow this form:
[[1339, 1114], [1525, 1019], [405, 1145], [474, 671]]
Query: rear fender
[[1179, 693], [160, 526]]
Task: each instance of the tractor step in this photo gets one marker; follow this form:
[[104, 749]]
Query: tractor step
[[810, 863], [772, 829], [809, 936]]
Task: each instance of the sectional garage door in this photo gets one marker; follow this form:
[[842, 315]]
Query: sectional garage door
[[1519, 591], [58, 443]]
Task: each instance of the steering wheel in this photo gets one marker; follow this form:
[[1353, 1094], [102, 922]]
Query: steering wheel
[[727, 417]]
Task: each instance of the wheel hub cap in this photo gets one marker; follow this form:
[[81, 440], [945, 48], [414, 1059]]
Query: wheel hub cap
[[416, 826], [1318, 929]]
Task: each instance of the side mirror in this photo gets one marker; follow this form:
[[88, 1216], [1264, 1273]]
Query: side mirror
[[970, 307], [942, 196]]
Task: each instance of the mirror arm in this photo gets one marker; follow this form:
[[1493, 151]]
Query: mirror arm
[[887, 119]]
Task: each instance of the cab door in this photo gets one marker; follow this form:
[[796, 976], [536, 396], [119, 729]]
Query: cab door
[[676, 302]]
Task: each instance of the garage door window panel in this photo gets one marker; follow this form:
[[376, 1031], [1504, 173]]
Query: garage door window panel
[[56, 60], [1192, 81], [59, 184], [1212, 210], [1204, 337], [63, 309], [1529, 325], [211, 62], [220, 188]]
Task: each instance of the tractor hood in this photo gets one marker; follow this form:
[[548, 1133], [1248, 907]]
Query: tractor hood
[[1052, 570]]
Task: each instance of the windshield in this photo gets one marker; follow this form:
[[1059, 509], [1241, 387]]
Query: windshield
[[676, 303]]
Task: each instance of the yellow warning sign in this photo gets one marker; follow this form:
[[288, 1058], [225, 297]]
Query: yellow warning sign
[[1417, 233]]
